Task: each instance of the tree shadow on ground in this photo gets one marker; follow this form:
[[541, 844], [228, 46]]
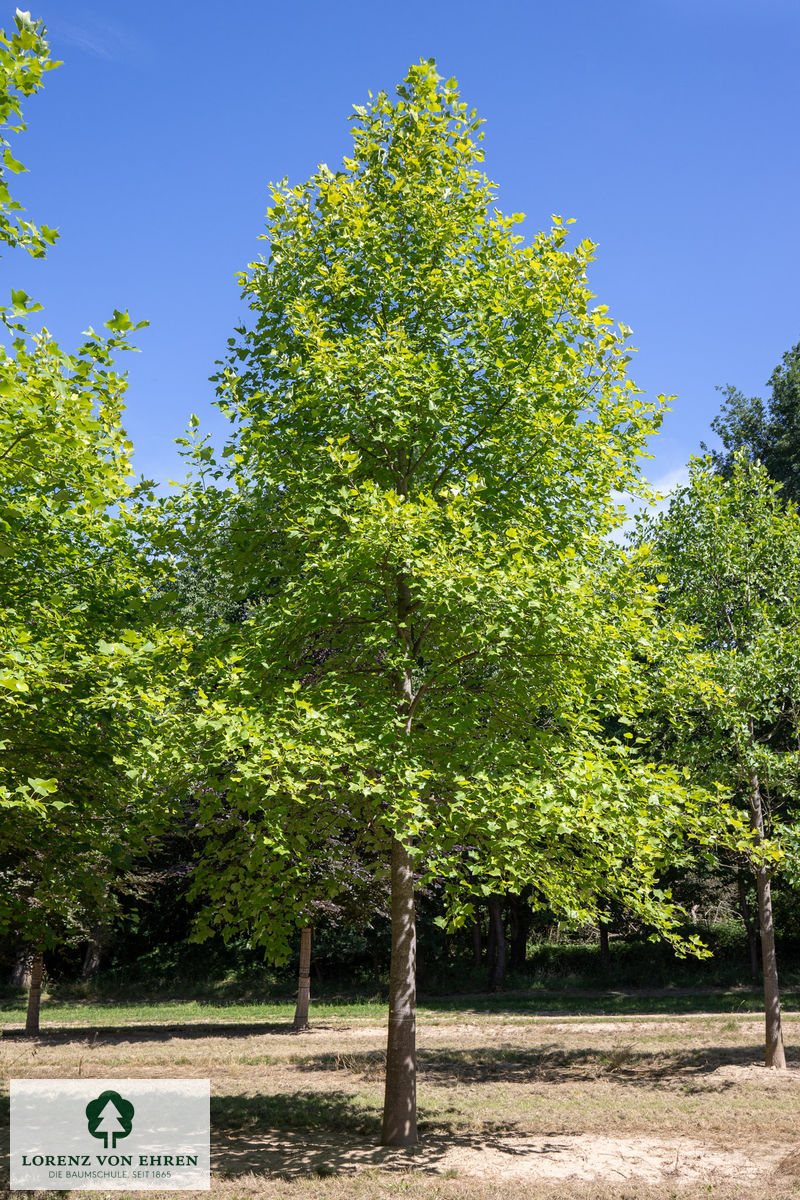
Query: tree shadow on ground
[[113, 1035], [546, 1064], [553, 1064], [313, 1133]]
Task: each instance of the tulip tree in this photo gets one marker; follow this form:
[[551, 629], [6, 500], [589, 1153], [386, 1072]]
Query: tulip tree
[[730, 550], [431, 421]]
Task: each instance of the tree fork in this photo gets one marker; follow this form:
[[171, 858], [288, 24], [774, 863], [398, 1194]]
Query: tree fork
[[400, 1097]]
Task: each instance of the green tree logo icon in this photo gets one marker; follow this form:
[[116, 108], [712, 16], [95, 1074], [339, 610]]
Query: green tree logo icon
[[109, 1116]]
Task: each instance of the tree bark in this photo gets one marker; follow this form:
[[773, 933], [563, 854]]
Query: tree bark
[[605, 949], [21, 971], [303, 981], [94, 950], [400, 1097], [750, 929], [35, 994], [775, 1055], [497, 942]]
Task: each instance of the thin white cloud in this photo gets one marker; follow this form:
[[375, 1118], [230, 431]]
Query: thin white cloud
[[664, 485], [103, 39], [672, 480], [76, 37]]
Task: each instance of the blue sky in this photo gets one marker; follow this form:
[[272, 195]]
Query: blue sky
[[667, 128]]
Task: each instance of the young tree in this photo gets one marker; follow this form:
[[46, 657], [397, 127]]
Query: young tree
[[731, 550], [431, 422]]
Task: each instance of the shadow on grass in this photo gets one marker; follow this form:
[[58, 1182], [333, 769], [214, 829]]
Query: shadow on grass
[[578, 1002], [550, 1064], [115, 1035]]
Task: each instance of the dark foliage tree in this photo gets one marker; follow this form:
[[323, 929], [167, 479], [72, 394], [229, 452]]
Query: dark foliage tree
[[769, 431]]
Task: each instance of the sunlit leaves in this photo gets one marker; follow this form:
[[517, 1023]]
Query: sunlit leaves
[[729, 595], [24, 59], [431, 418], [82, 673]]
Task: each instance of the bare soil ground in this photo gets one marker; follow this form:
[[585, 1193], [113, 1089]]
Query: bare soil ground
[[636, 1108]]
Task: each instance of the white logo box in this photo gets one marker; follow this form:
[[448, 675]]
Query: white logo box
[[107, 1134]]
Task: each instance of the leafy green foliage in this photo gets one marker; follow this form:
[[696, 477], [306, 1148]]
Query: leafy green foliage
[[431, 421], [731, 552], [78, 677], [24, 58]]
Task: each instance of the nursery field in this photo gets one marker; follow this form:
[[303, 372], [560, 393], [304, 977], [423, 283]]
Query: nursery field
[[511, 1103]]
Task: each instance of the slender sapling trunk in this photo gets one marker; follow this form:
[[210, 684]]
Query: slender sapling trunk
[[750, 930], [303, 981], [95, 945], [497, 936], [775, 1055], [21, 970], [519, 926], [35, 994], [605, 949]]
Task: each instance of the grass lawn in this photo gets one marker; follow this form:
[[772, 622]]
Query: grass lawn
[[563, 1002], [514, 1101]]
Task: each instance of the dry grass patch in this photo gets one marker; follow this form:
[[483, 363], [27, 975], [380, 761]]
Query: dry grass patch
[[639, 1108]]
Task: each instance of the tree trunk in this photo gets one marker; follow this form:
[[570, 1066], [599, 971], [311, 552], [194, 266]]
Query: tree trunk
[[35, 994], [491, 943], [477, 948], [94, 950], [605, 949], [775, 1055], [750, 929], [520, 924], [497, 942], [303, 981], [21, 971], [400, 1097]]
